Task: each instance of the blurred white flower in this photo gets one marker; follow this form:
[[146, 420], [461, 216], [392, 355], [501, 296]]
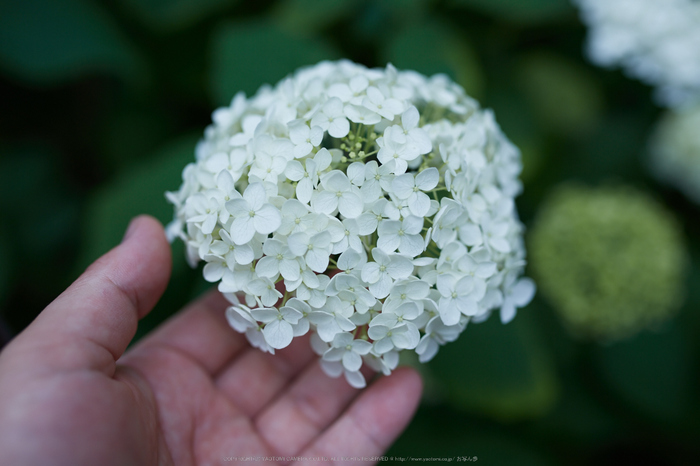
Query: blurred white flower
[[674, 151], [656, 41]]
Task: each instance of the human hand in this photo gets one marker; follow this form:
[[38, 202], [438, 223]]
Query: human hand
[[192, 392]]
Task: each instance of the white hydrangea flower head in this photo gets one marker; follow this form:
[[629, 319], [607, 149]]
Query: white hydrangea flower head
[[371, 207], [656, 41], [675, 151]]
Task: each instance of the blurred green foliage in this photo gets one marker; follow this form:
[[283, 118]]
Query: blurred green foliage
[[248, 55], [501, 371], [526, 11], [433, 47], [102, 103], [170, 15], [140, 190], [52, 40]]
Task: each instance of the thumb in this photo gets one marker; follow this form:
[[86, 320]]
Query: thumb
[[91, 323]]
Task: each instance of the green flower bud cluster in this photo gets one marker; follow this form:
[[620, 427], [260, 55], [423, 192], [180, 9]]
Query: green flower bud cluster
[[610, 260]]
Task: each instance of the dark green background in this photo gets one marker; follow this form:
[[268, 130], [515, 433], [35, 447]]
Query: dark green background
[[103, 101]]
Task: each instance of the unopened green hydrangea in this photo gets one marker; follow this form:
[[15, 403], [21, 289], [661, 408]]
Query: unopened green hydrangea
[[610, 260]]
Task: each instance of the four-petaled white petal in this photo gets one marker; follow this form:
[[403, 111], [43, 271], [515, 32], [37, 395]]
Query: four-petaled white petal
[[252, 214], [379, 103], [331, 118], [278, 330], [349, 351], [386, 268], [338, 194], [519, 295], [315, 250], [456, 297], [304, 138], [404, 235], [411, 189]]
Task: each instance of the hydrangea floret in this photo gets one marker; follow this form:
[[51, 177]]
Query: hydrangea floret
[[656, 41], [610, 260], [674, 151], [371, 207]]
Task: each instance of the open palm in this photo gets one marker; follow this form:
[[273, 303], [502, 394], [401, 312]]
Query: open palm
[[192, 392]]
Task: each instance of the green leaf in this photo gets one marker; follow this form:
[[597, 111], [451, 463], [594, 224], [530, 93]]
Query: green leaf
[[130, 134], [652, 372], [405, 10], [611, 150], [513, 113], [499, 370], [140, 190], [522, 11], [563, 94], [309, 16], [48, 41], [432, 48], [578, 415], [32, 181], [171, 15], [247, 55]]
